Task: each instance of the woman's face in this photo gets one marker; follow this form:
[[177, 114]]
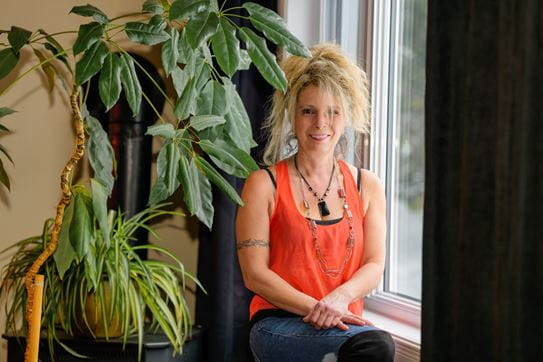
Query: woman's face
[[319, 121]]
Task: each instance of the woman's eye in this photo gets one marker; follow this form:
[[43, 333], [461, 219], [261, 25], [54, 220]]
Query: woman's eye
[[307, 111]]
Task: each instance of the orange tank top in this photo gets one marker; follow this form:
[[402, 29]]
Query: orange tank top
[[292, 252]]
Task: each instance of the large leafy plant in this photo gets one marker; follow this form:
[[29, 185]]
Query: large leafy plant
[[200, 51]]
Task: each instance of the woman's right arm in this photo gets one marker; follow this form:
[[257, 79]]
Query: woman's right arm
[[253, 245]]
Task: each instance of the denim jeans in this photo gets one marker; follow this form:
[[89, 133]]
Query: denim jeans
[[286, 339]]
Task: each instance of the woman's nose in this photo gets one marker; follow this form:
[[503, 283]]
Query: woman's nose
[[322, 120]]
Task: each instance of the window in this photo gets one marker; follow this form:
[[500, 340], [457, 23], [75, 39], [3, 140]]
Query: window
[[389, 39]]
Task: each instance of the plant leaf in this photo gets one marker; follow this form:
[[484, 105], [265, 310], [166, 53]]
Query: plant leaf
[[4, 128], [109, 84], [89, 10], [184, 48], [158, 21], [167, 171], [225, 46], [180, 78], [215, 177], [244, 60], [229, 158], [202, 122], [100, 153], [4, 111], [238, 125], [64, 254], [4, 179], [18, 37], [131, 84], [153, 6], [5, 152], [213, 99], [274, 28], [88, 35], [205, 211], [200, 27], [263, 59], [80, 227], [145, 34], [99, 207], [165, 130], [186, 102], [191, 192], [8, 61], [91, 62], [181, 9], [47, 68], [170, 52]]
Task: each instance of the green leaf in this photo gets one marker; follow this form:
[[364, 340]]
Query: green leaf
[[205, 210], [182, 9], [109, 84], [88, 35], [167, 171], [202, 122], [5, 152], [47, 68], [8, 61], [131, 84], [99, 207], [212, 133], [4, 179], [225, 46], [89, 10], [184, 48], [165, 130], [170, 52], [200, 27], [188, 180], [64, 254], [158, 21], [229, 158], [4, 128], [215, 177], [244, 60], [145, 34], [238, 125], [56, 48], [4, 111], [100, 153], [213, 99], [80, 227], [153, 6], [18, 37], [263, 59], [180, 78], [55, 51], [274, 28], [204, 74], [90, 63], [186, 102]]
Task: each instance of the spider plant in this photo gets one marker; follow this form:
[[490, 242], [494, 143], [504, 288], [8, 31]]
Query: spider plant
[[134, 293]]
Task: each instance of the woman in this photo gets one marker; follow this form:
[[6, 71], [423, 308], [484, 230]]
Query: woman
[[311, 233]]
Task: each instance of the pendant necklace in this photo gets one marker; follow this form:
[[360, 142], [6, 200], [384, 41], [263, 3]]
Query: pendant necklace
[[332, 272], [323, 207]]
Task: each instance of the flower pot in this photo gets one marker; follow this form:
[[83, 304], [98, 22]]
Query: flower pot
[[95, 320]]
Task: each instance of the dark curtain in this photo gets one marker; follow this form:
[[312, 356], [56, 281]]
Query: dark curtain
[[224, 312], [483, 227]]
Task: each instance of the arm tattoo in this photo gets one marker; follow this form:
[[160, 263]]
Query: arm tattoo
[[252, 242]]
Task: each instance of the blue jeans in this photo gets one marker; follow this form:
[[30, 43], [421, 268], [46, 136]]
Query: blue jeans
[[285, 339]]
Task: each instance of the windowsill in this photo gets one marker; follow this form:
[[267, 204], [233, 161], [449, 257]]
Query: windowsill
[[406, 335]]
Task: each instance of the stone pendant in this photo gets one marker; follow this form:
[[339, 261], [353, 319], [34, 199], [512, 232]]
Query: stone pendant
[[323, 208]]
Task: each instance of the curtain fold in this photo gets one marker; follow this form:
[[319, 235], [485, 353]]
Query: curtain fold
[[482, 257], [224, 312]]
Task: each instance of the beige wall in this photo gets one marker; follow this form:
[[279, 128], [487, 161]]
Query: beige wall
[[42, 135]]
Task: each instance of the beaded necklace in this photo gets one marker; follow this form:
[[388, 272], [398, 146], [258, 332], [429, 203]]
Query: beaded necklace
[[332, 272]]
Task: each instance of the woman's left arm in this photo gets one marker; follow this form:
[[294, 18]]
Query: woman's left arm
[[368, 276]]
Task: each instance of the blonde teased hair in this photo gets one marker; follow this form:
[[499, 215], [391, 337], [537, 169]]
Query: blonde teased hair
[[331, 70]]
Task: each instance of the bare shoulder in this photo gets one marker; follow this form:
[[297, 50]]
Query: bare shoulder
[[259, 182], [372, 187]]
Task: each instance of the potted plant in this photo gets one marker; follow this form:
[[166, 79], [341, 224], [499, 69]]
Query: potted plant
[[200, 51]]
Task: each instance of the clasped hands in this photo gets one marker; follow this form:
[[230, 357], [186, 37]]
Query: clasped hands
[[333, 311]]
